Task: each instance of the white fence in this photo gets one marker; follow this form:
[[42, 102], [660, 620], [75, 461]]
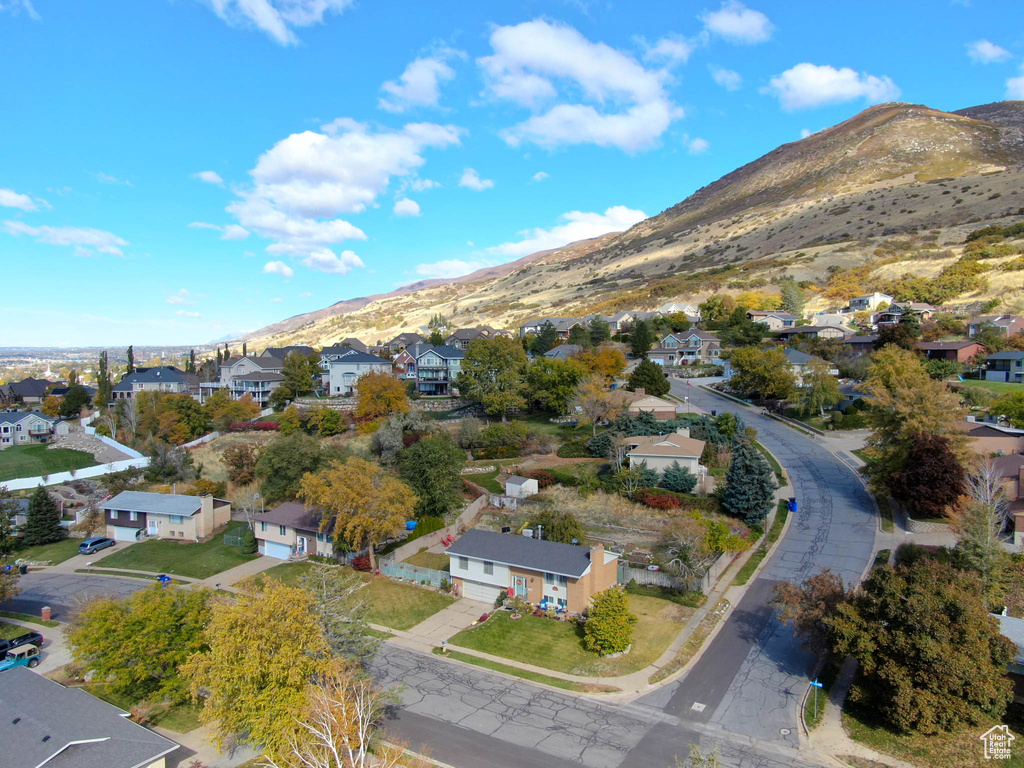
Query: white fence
[[60, 478], [201, 440]]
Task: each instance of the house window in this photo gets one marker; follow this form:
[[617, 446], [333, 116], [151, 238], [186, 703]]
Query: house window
[[555, 580], [133, 516], [282, 530], [463, 563], [263, 526], [488, 568], [6, 430], [177, 519], [181, 534], [321, 537]]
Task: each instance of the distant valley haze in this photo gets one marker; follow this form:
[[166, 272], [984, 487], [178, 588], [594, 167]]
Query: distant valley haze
[[177, 173]]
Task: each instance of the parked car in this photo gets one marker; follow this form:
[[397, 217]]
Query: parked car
[[26, 656], [91, 546], [29, 638]]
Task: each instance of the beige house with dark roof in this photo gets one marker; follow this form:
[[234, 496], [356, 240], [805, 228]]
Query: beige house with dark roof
[[640, 402], [659, 452], [290, 529]]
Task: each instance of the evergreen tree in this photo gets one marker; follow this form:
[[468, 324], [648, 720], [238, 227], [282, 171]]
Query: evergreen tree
[[76, 398], [432, 466], [749, 485], [580, 336], [192, 361], [219, 358], [130, 368], [103, 386], [245, 349], [679, 479], [546, 339], [249, 544], [792, 298], [600, 331], [436, 338], [8, 509], [650, 377], [42, 525], [641, 338]]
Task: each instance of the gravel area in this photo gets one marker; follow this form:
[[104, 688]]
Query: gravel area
[[79, 441]]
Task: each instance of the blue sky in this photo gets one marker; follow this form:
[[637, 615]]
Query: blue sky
[[172, 171]]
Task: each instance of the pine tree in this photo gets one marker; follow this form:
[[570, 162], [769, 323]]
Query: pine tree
[[130, 368], [650, 377], [103, 389], [191, 361], [600, 331], [219, 358], [749, 485], [678, 478], [546, 339], [42, 525], [641, 338], [245, 349]]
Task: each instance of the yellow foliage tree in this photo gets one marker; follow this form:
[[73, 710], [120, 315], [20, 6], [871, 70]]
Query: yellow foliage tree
[[366, 504], [265, 647], [606, 360], [596, 402], [758, 300], [380, 395], [51, 405]]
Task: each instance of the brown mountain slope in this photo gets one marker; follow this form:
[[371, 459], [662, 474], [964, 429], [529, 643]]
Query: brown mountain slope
[[893, 173]]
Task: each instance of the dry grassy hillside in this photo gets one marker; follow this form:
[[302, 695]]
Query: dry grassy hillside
[[896, 189]]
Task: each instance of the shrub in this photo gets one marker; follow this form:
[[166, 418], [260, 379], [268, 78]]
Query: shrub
[[609, 625], [600, 445], [505, 452], [543, 477], [659, 499], [679, 479], [253, 426], [361, 563], [678, 596], [574, 449], [426, 525], [511, 434]]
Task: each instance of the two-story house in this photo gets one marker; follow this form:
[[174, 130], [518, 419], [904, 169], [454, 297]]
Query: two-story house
[[131, 515], [341, 372], [813, 332], [562, 325], [1007, 325], [485, 565], [692, 311], [291, 529], [255, 376], [28, 428], [282, 352], [895, 312], [164, 378], [1005, 366], [437, 369], [29, 390], [687, 348], [461, 338], [776, 321], [400, 342], [956, 351], [869, 302]]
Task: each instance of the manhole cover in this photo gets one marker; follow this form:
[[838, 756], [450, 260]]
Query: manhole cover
[[785, 731], [697, 707]]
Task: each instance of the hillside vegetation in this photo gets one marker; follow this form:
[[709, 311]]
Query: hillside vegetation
[[876, 201]]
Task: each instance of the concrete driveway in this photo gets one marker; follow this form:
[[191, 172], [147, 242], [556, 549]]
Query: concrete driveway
[[450, 621]]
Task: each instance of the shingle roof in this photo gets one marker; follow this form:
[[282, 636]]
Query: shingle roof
[[30, 387], [293, 515], [1013, 629], [563, 350], [522, 552], [155, 503], [42, 723], [282, 352], [871, 339], [1009, 465], [361, 357], [263, 361], [1008, 355], [450, 353], [672, 444], [796, 357], [946, 344], [13, 417], [162, 373]]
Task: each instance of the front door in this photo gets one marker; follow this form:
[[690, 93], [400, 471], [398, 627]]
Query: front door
[[520, 586], [152, 530], [300, 545]]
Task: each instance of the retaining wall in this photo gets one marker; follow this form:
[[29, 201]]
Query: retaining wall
[[60, 478]]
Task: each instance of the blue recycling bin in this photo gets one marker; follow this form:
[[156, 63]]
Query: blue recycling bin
[[411, 525], [792, 503]]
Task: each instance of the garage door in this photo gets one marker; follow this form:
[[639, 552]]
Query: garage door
[[485, 593], [280, 551], [123, 533]]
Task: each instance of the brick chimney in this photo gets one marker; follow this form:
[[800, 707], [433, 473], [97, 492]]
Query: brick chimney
[[206, 502], [640, 391], [597, 553]]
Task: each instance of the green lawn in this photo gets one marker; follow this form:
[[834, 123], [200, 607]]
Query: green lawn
[[54, 553], [771, 460], [287, 573], [558, 645], [181, 718], [29, 618], [436, 560], [401, 606], [999, 387], [111, 572], [773, 535], [8, 630], [33, 460], [198, 561], [526, 674]]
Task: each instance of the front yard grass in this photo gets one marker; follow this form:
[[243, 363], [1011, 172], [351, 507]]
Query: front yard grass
[[401, 606], [999, 387], [33, 460], [54, 553], [199, 561], [8, 630], [29, 618], [180, 718], [435, 560], [558, 645], [289, 574], [525, 674]]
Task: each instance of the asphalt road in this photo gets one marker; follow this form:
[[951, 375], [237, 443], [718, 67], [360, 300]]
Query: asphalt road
[[61, 591]]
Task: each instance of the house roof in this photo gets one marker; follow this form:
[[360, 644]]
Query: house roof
[[13, 417], [468, 334], [672, 444], [1013, 629], [946, 344], [159, 374], [353, 342], [293, 515], [522, 552], [796, 357], [155, 503], [517, 480], [870, 339], [809, 329], [563, 350], [405, 339], [449, 353], [30, 387], [359, 357], [1007, 355], [282, 352], [1009, 465], [61, 391], [264, 361], [46, 725]]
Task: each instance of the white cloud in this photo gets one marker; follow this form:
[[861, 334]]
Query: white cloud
[[210, 177], [278, 268], [305, 295], [985, 52], [471, 180], [85, 240], [422, 185], [671, 49], [11, 199], [540, 176], [420, 84], [536, 62], [234, 232], [697, 145], [453, 267], [302, 183], [406, 207], [737, 23], [326, 260], [106, 178], [183, 313], [810, 85], [17, 6], [203, 225], [1015, 86], [276, 18], [576, 225], [184, 296], [805, 132], [726, 78]]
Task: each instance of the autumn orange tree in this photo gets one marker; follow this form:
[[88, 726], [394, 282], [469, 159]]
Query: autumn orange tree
[[606, 360], [380, 395], [223, 411], [596, 402], [365, 503]]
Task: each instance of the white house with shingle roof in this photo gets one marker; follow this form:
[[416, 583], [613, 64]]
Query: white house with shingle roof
[[659, 452], [28, 428]]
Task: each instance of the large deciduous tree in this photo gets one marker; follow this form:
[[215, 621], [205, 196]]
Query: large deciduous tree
[[42, 523], [750, 484], [340, 607], [222, 411], [595, 402], [432, 466], [809, 606], [137, 644], [765, 374], [607, 360], [360, 503], [650, 377], [552, 383], [284, 462], [818, 388], [380, 395], [264, 648], [932, 479], [299, 372], [979, 523], [931, 657], [493, 374], [1011, 406], [560, 526]]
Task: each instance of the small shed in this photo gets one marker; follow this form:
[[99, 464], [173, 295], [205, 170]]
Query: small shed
[[521, 487]]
